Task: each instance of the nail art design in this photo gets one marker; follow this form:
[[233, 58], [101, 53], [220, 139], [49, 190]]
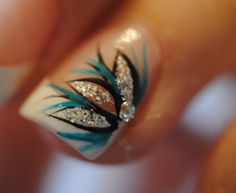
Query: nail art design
[[98, 104], [87, 105]]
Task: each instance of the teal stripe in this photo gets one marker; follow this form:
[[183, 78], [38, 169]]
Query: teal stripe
[[135, 56], [61, 105], [88, 137], [145, 68], [93, 146], [96, 140], [103, 71], [74, 97], [86, 71]]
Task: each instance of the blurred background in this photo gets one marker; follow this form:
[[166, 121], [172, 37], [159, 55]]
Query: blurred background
[[30, 164]]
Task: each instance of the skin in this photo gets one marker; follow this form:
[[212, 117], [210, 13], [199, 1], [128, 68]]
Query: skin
[[220, 174], [197, 43], [25, 31]]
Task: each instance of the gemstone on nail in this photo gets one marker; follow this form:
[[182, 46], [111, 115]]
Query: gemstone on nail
[[96, 106], [127, 111]]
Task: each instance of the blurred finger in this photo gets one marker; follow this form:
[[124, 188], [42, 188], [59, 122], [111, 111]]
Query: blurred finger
[[41, 33], [220, 172], [25, 29]]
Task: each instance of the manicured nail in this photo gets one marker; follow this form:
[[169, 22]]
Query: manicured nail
[[11, 78], [96, 92]]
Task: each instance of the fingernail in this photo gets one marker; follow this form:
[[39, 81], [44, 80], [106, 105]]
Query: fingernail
[[11, 78], [95, 94]]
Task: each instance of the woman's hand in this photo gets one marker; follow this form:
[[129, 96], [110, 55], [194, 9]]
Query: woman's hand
[[188, 44]]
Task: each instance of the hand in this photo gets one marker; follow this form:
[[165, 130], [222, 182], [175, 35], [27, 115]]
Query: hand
[[188, 42]]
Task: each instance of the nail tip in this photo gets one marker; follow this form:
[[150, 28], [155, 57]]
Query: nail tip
[[89, 155], [92, 134], [31, 114], [92, 157]]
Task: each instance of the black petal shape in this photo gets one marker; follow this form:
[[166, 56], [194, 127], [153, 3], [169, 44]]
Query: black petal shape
[[72, 116]]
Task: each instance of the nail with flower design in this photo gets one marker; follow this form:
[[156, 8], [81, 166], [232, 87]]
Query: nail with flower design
[[89, 100]]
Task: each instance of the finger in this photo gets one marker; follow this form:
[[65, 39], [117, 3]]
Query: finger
[[23, 162], [25, 29], [112, 94], [73, 29], [29, 145], [186, 66], [42, 33], [220, 173]]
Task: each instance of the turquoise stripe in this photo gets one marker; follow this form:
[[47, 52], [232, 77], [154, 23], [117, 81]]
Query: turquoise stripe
[[145, 68], [61, 105], [135, 56], [86, 71], [88, 137], [93, 146], [74, 97], [96, 140], [103, 71]]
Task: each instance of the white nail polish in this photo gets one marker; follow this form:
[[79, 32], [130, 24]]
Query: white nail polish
[[89, 111]]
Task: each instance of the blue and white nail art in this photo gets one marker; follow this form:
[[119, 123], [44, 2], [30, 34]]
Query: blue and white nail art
[[98, 104]]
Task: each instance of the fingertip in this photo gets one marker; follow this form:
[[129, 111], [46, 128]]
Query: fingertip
[[25, 28]]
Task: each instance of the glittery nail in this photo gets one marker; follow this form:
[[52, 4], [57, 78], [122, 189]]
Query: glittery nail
[[89, 110]]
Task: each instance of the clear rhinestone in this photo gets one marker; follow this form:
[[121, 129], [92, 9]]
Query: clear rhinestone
[[127, 111]]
